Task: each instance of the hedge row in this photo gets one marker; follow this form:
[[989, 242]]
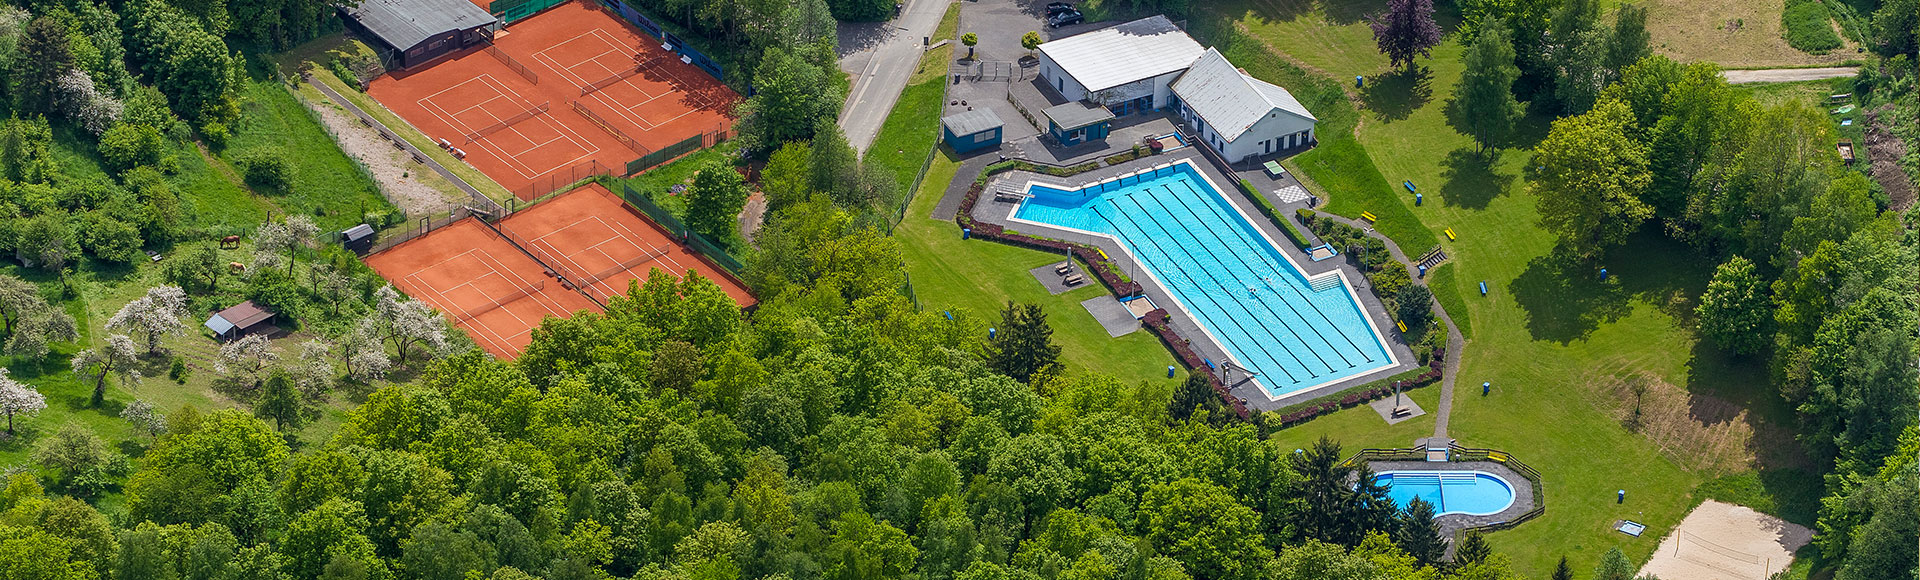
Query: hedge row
[[1273, 214], [1360, 394]]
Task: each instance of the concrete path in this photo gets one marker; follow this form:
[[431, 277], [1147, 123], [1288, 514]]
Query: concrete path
[[480, 200], [1456, 343], [1787, 75], [888, 66]]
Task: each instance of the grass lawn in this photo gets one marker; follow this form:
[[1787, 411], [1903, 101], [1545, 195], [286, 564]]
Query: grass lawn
[[912, 128], [1547, 332], [327, 184], [976, 278]]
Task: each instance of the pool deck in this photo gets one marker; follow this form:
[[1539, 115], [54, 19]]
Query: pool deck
[[998, 212], [1451, 523]]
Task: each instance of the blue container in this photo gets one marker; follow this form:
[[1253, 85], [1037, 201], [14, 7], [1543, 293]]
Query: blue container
[[1485, 388], [1603, 274], [1417, 198], [1423, 271], [991, 332], [1483, 288], [966, 233], [1169, 371], [1359, 81]]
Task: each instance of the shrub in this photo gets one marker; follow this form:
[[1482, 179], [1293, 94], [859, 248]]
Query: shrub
[[266, 168], [128, 145], [109, 239], [216, 134], [1807, 26], [178, 372]]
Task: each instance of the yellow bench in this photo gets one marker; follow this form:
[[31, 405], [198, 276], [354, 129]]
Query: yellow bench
[[1451, 237], [1402, 325], [1367, 215]]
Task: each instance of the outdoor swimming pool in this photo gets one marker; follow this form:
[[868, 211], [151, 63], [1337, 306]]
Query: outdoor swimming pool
[[1476, 493], [1294, 333]]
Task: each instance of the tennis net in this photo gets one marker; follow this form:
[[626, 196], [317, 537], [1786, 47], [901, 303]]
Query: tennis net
[[517, 294], [508, 122]]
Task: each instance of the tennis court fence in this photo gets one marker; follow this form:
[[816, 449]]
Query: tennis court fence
[[679, 231], [543, 258], [509, 121], [391, 237], [561, 180]]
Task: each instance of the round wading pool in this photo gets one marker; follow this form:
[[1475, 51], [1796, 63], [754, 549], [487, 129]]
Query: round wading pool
[[1474, 493]]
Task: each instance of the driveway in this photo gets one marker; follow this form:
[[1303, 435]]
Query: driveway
[[883, 56], [1787, 75]]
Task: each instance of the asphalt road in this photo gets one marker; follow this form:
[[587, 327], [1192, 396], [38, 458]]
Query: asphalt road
[[877, 85], [1787, 75]]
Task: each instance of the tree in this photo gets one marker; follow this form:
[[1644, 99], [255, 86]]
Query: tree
[[787, 179], [788, 102], [1205, 528], [118, 356], [1562, 571], [1415, 303], [1024, 346], [1613, 566], [17, 398], [1195, 392], [30, 341], [290, 236], [246, 360], [362, 353], [199, 267], [280, 403], [1628, 43], [408, 323], [1883, 546], [80, 460], [1588, 178], [313, 371], [19, 301], [715, 199], [155, 314], [1031, 41], [969, 39], [1483, 106], [145, 417], [1735, 310], [1405, 30], [46, 241], [860, 10], [1473, 550], [43, 57], [267, 168], [1896, 28], [1575, 53], [1418, 534]]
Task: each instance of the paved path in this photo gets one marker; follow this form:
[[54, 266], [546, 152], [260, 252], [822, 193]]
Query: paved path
[[1456, 343], [480, 200], [877, 86], [1787, 75]]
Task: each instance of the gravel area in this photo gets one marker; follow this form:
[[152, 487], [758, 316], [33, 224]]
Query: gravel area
[[1721, 541], [412, 187]]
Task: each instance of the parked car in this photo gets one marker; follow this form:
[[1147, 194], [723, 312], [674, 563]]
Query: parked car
[[1068, 18], [1056, 8]]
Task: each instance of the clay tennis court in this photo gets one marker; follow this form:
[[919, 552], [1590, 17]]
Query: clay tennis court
[[483, 284], [597, 90], [601, 243]]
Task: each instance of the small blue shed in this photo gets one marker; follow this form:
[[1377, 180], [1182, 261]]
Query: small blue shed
[[972, 130], [1078, 122]]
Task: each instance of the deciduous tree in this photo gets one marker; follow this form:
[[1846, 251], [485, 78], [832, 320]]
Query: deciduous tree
[[247, 360], [1405, 30], [155, 315], [1588, 178], [715, 199], [145, 417], [1735, 311], [1483, 105], [118, 357], [17, 398]]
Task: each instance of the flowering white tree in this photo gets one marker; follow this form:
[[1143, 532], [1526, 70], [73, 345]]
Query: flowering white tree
[[17, 398], [75, 96], [313, 373], [34, 335], [145, 417], [19, 300], [118, 357], [410, 322], [247, 360], [287, 236], [362, 352], [156, 315]]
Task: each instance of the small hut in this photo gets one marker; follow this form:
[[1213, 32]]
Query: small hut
[[242, 319], [972, 130], [358, 238]]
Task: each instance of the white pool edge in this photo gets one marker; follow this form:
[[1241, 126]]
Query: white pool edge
[[1513, 494], [1393, 360]]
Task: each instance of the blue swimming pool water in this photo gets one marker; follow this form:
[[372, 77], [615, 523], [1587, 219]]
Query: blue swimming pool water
[[1451, 492], [1226, 274]]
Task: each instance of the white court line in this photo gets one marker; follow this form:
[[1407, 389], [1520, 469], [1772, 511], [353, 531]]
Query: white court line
[[587, 148], [453, 120], [633, 241], [578, 81]]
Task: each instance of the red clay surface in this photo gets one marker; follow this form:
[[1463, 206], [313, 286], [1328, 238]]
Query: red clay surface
[[569, 48], [600, 242], [486, 286]]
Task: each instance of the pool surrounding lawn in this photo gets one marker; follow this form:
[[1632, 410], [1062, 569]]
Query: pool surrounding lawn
[[1294, 332], [1474, 493]]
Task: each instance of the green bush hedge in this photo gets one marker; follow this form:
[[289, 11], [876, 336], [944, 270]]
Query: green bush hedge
[[1807, 26], [1266, 207]]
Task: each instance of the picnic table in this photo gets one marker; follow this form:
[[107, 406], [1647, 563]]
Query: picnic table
[[1274, 168]]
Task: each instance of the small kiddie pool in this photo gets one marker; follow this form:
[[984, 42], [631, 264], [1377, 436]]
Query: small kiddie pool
[[1474, 493]]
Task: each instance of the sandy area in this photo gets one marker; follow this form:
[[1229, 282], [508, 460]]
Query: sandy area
[[412, 187], [1721, 541]]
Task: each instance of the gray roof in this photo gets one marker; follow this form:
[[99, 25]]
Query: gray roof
[[1077, 114], [1229, 100], [219, 325], [357, 233], [1110, 57], [970, 122], [405, 23]]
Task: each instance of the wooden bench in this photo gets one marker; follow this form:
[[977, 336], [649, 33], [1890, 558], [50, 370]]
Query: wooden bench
[[1064, 268], [1075, 280], [1402, 411]]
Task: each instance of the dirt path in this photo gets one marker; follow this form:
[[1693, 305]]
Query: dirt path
[[226, 171], [1787, 75]]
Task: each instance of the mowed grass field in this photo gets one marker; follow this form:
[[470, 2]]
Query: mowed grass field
[[976, 278], [1549, 335]]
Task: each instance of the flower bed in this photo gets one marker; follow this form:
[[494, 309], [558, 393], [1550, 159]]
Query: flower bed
[[1359, 394]]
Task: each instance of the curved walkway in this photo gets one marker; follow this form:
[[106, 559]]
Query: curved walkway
[[1456, 343]]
